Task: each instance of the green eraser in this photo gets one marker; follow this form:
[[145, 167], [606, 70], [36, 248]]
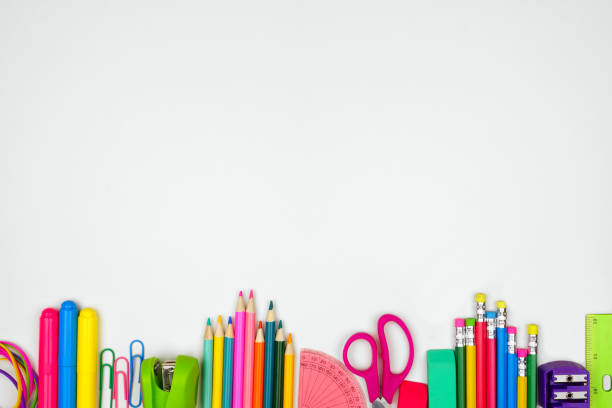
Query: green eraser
[[441, 379]]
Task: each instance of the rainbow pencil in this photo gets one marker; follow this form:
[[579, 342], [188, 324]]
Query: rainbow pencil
[[249, 349], [217, 394], [207, 367], [239, 354], [258, 368], [269, 358], [228, 364], [288, 381]]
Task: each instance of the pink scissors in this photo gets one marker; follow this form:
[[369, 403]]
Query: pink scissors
[[377, 390]]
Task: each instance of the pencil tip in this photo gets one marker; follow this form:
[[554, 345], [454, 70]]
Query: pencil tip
[[280, 324], [290, 340], [208, 322], [229, 321], [220, 320], [240, 294], [260, 325], [271, 306], [251, 294]]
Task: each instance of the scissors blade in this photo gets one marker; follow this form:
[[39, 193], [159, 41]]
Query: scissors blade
[[379, 403]]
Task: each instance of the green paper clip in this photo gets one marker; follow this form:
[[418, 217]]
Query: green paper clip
[[170, 384], [110, 371]]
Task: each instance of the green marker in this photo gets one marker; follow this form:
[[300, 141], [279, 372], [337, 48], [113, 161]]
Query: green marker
[[460, 361], [532, 366]]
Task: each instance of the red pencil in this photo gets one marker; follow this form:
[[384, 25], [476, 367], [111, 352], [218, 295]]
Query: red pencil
[[481, 359], [258, 368]]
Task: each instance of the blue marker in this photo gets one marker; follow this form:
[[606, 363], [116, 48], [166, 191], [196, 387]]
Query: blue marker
[[502, 355], [67, 355], [512, 367]]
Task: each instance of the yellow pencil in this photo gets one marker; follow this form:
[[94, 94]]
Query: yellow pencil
[[288, 380], [218, 364], [521, 381], [470, 364]]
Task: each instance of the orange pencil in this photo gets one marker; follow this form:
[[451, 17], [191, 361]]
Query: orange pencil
[[258, 368]]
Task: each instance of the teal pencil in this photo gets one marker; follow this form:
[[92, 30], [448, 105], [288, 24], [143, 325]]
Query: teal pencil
[[268, 396], [207, 366], [228, 365]]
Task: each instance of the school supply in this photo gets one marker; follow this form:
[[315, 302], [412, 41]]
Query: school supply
[[384, 386], [325, 382], [412, 395], [207, 367], [136, 360], [279, 366], [228, 365], [67, 355], [110, 367], [258, 367], [563, 384], [170, 384], [441, 379], [460, 361], [502, 355], [87, 353], [117, 374], [512, 364], [238, 394], [470, 364], [47, 358], [491, 360], [249, 349], [269, 358], [521, 381], [288, 378], [599, 358], [532, 366], [481, 347], [25, 379], [218, 339]]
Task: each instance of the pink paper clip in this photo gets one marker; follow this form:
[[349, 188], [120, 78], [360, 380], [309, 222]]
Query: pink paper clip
[[126, 375]]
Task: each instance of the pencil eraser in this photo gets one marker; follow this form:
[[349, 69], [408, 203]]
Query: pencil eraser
[[490, 314], [511, 330], [459, 323], [412, 395], [501, 304], [532, 329], [441, 379], [522, 352], [481, 297], [470, 321]]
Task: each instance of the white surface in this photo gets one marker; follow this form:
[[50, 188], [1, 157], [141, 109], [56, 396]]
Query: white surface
[[342, 158]]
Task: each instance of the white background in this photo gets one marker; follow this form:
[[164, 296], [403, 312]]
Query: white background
[[344, 158]]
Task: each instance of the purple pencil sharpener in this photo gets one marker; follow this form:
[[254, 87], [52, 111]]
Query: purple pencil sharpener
[[563, 384]]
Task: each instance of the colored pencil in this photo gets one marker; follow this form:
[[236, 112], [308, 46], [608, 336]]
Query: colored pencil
[[532, 366], [521, 381], [239, 354], [491, 361], [289, 367], [460, 361], [249, 348], [512, 367], [258, 368], [480, 339], [207, 367], [228, 365], [269, 358], [279, 365], [217, 394], [502, 355], [470, 364]]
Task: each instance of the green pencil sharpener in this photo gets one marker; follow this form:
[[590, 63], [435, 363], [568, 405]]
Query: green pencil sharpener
[[170, 384]]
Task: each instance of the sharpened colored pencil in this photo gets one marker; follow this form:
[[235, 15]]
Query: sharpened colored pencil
[[217, 395], [279, 365], [239, 354], [289, 374], [269, 358], [207, 367], [249, 349], [258, 368], [228, 365]]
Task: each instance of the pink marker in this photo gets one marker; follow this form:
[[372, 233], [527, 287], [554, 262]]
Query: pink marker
[[249, 351], [238, 393], [47, 358]]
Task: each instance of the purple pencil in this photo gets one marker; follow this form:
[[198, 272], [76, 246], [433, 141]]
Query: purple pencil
[[239, 323]]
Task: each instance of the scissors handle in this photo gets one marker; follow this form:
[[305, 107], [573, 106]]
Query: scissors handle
[[370, 374], [390, 380]]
